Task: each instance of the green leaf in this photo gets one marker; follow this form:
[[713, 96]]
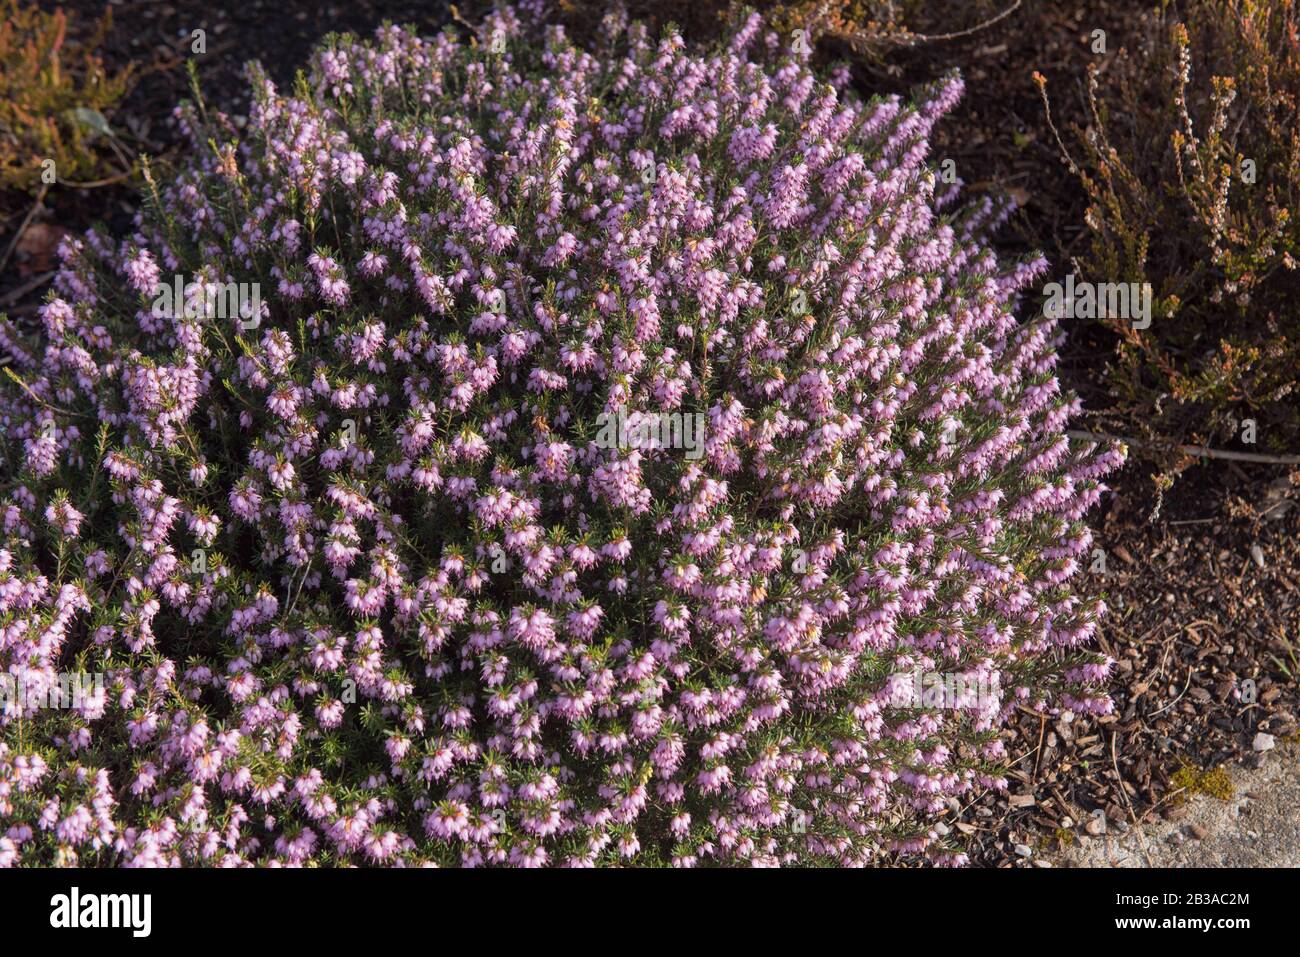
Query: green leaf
[[89, 119]]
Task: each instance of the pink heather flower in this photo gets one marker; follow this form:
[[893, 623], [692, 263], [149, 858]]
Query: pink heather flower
[[64, 517]]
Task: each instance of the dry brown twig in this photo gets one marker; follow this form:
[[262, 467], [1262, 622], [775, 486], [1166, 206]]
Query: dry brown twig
[[997, 18], [1200, 451], [18, 234]]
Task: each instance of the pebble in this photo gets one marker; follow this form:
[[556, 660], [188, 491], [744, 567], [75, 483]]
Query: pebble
[[1263, 742], [1024, 850], [1257, 553], [1198, 832], [1096, 825]]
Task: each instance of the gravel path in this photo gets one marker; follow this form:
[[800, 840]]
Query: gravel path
[[1259, 826]]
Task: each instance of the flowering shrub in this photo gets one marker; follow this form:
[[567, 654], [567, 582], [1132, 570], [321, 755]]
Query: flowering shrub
[[1191, 163], [362, 580]]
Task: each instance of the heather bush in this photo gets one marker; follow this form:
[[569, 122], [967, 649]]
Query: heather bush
[[367, 574], [52, 93], [1191, 163]]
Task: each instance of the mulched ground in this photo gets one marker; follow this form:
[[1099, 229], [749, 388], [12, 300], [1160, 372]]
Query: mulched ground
[[1194, 611], [1194, 615]]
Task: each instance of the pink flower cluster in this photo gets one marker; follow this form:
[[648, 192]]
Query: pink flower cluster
[[363, 584]]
